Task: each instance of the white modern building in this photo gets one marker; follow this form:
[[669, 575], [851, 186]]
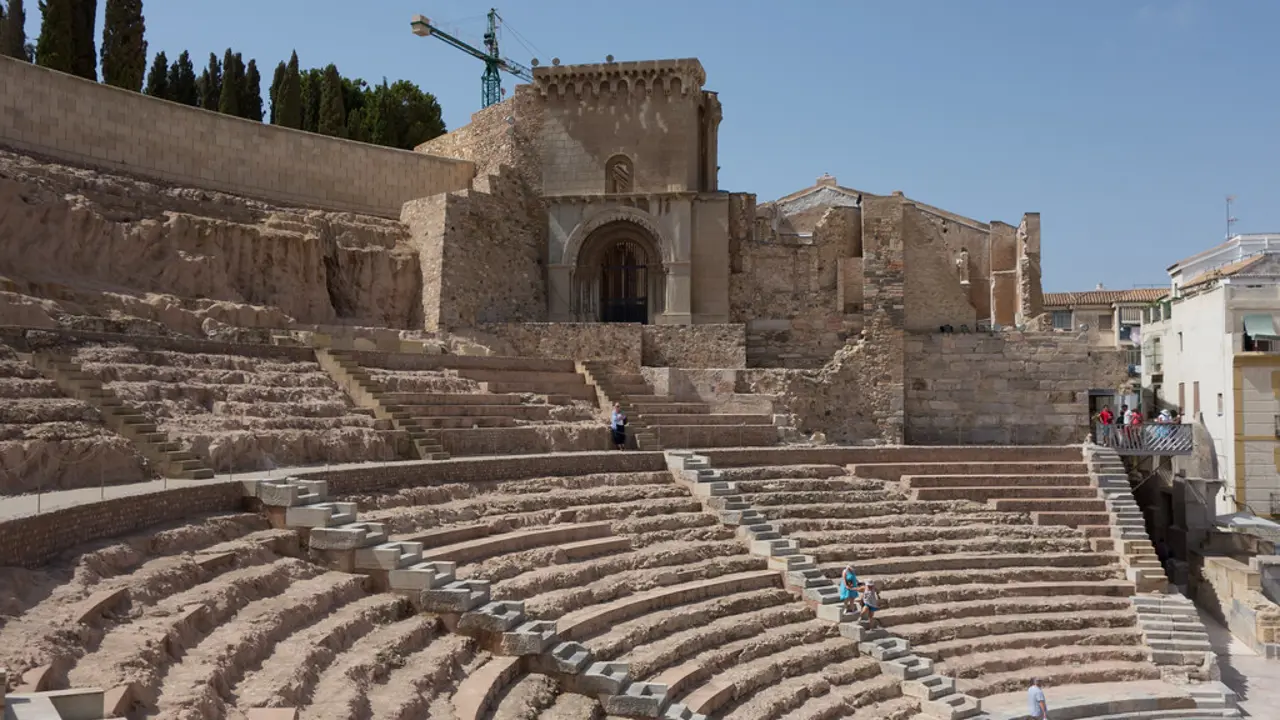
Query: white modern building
[[1211, 350]]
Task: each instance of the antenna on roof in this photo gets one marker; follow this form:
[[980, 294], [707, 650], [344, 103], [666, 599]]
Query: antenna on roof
[[1230, 220]]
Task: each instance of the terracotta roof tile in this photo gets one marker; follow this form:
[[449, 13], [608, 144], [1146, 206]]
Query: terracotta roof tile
[[1226, 270], [1103, 297]]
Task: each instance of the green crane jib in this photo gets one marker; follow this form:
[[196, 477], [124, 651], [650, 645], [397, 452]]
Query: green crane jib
[[494, 64]]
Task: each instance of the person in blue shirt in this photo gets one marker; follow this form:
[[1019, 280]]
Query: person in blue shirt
[[850, 588], [618, 427], [1036, 706]]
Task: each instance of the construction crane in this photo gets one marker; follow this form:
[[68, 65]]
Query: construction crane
[[494, 63]]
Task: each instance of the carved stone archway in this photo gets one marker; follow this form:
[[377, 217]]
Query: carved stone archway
[[618, 276], [573, 246]]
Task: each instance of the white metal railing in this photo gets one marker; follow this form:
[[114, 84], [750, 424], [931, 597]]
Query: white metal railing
[[1146, 439]]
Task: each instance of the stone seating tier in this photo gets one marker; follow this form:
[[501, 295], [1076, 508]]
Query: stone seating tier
[[241, 412], [49, 441], [990, 585]]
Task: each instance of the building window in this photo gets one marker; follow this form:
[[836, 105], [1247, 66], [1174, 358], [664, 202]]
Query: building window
[[1195, 398], [1133, 356], [1105, 321], [1182, 398], [1179, 342], [1219, 403], [1061, 319], [617, 175]]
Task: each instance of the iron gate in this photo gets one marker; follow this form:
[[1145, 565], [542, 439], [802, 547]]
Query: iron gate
[[624, 284]]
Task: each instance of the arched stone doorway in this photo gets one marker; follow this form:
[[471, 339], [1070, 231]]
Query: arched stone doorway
[[619, 275]]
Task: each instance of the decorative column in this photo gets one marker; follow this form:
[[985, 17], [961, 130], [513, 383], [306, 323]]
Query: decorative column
[[562, 293], [678, 297]]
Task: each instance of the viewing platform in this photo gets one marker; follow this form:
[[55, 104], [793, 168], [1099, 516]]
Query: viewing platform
[[1145, 440]]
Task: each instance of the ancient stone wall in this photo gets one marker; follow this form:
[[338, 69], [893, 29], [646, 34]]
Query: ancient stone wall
[[86, 243], [502, 135], [1006, 388], [614, 342], [34, 540], [799, 295], [96, 125], [482, 254], [935, 294], [694, 346]]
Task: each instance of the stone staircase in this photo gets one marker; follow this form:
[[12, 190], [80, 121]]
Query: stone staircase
[[937, 693], [1128, 528], [365, 393], [337, 539], [661, 421], [167, 456], [609, 391]]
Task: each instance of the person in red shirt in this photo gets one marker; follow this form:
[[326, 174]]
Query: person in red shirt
[[1106, 418]]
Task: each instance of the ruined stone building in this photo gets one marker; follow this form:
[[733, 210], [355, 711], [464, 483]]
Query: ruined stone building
[[583, 217]]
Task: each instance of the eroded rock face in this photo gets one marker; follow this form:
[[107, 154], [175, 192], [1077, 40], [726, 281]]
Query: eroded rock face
[[82, 243]]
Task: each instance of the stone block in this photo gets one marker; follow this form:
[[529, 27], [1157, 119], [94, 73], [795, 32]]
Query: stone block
[[388, 556], [320, 515], [604, 678], [681, 712], [835, 612], [929, 687], [495, 617], [421, 576], [638, 699], [907, 667], [859, 632], [570, 658], [291, 491], [887, 648], [531, 638], [352, 536], [456, 597]]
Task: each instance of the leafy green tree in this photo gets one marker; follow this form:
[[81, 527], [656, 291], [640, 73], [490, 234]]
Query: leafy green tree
[[158, 78], [182, 81], [55, 47], [251, 101], [13, 32], [83, 22], [290, 96], [210, 84], [332, 119], [124, 46], [232, 84], [273, 93]]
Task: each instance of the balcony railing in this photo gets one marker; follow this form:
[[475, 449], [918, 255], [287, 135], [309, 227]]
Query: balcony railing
[[1147, 439]]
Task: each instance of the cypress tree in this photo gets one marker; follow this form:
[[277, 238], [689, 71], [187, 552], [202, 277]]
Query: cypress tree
[[13, 32], [83, 22], [55, 48], [273, 94], [157, 78], [332, 119], [182, 81], [232, 83], [251, 100], [210, 84], [290, 96], [124, 47], [312, 82]]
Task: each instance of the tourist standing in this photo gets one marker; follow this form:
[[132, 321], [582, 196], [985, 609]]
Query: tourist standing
[[618, 427], [1036, 705]]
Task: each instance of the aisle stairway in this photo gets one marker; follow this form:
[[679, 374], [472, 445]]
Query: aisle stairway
[[661, 421]]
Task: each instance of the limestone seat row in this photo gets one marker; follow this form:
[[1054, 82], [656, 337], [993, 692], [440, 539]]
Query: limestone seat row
[[980, 573], [52, 441], [241, 412]]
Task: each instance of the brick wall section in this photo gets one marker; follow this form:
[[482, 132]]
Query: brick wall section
[[695, 346], [86, 123], [390, 478], [1007, 388], [615, 342], [35, 540]]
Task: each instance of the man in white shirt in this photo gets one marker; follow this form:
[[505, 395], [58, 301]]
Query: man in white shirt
[[1036, 706]]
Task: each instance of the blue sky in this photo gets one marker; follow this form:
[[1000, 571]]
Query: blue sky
[[1125, 123]]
